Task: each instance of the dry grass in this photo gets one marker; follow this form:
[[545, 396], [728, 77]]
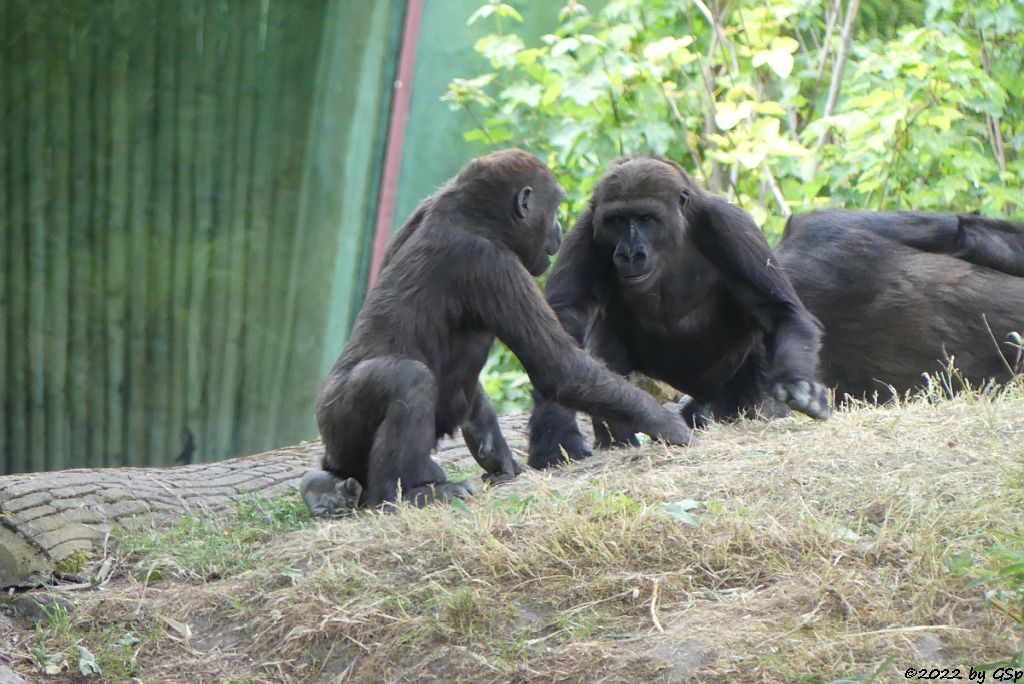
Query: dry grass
[[820, 552]]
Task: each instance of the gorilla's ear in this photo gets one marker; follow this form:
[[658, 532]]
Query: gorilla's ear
[[523, 201], [684, 198]]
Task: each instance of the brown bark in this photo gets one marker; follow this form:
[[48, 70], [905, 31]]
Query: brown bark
[[47, 517]]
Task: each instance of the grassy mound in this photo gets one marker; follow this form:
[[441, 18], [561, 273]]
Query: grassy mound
[[776, 552]]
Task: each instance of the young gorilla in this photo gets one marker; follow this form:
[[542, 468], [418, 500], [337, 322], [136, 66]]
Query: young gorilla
[[899, 293], [660, 277], [459, 273]]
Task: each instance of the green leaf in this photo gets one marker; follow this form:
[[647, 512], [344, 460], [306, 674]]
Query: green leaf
[[128, 639], [500, 50], [621, 34], [87, 662], [552, 92], [680, 510], [769, 107], [780, 61], [728, 114], [481, 13], [564, 46], [659, 136], [661, 50], [528, 94], [1013, 569], [510, 12], [588, 89]]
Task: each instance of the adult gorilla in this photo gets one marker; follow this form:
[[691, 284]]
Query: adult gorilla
[[458, 273], [661, 277], [900, 293]]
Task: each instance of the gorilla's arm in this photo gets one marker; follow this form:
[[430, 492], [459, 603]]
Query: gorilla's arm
[[730, 240], [995, 243], [571, 293], [485, 441], [991, 242], [512, 307]]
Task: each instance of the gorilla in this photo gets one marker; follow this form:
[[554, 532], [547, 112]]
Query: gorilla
[[458, 274], [661, 277], [900, 293]]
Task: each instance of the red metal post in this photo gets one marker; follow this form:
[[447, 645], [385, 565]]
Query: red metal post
[[396, 135]]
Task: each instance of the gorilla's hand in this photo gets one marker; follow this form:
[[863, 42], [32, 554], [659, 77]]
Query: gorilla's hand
[[329, 496], [671, 428], [810, 398], [509, 470]]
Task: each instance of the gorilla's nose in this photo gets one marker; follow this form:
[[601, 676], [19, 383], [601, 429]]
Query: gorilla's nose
[[629, 260]]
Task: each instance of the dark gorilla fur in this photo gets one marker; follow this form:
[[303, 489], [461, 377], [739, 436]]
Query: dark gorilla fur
[[457, 274], [660, 277], [901, 293]]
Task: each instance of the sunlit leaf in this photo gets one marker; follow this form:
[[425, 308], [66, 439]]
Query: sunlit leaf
[[666, 47], [482, 12], [728, 114], [500, 50]]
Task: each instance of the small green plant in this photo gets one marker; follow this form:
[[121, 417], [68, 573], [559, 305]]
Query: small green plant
[[207, 547], [462, 612], [1002, 576], [104, 649], [607, 505], [515, 504], [52, 636]]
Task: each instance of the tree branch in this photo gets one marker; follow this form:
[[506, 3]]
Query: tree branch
[[995, 134], [840, 65], [830, 26]]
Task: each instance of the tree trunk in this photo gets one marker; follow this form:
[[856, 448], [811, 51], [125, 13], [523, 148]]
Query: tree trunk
[[47, 518]]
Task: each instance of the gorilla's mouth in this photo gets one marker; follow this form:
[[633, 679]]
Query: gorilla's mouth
[[634, 278]]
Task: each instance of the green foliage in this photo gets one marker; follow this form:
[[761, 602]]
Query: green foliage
[[207, 547], [929, 114], [108, 650], [1002, 575], [505, 381]]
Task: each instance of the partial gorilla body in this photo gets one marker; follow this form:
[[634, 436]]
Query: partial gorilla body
[[457, 274], [900, 293], [661, 277]]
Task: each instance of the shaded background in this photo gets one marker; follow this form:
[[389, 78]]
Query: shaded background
[[188, 194]]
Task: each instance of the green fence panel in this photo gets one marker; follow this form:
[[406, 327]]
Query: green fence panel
[[187, 193], [434, 148]]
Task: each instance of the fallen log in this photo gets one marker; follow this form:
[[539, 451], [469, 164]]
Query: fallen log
[[48, 518]]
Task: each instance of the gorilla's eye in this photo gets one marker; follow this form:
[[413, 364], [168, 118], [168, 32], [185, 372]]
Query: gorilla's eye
[[616, 220], [645, 218]]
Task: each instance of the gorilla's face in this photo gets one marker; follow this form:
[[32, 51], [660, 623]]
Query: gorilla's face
[[537, 206], [638, 219], [632, 235]]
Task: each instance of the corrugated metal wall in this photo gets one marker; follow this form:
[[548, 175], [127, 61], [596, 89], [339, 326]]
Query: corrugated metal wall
[[186, 194]]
